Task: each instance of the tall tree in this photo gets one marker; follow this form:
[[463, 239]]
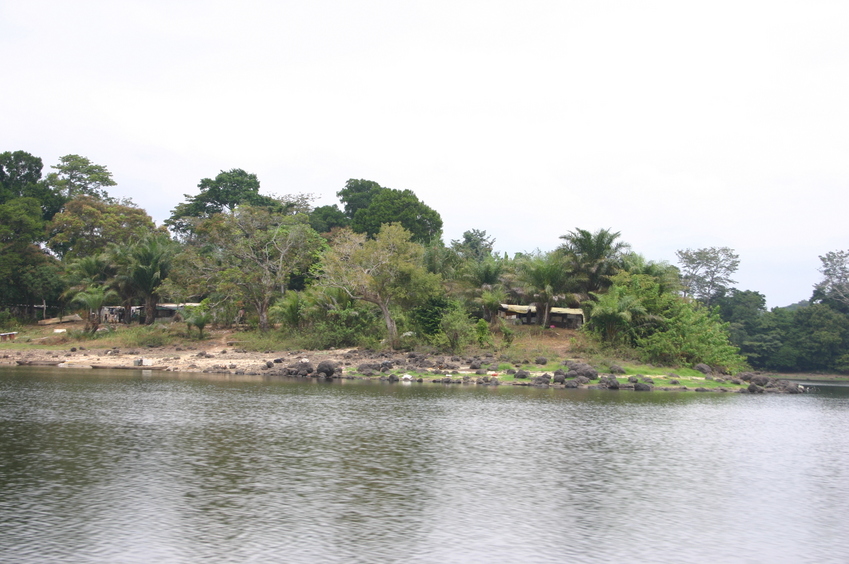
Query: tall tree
[[20, 177], [384, 271], [835, 282], [704, 272], [224, 193], [357, 195], [592, 258], [544, 278], [475, 245], [78, 176], [398, 206]]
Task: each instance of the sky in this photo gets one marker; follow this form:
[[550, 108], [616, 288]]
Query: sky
[[678, 124]]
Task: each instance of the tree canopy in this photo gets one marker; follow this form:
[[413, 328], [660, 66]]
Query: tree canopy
[[704, 272], [224, 193]]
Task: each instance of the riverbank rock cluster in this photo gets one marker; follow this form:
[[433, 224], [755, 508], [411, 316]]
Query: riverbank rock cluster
[[486, 369]]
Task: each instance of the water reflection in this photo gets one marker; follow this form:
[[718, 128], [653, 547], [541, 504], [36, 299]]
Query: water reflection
[[132, 468]]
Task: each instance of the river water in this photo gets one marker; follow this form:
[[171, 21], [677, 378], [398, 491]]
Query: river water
[[123, 466]]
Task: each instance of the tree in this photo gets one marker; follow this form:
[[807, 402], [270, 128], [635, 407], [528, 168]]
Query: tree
[[78, 176], [592, 258], [357, 195], [325, 218], [93, 299], [149, 263], [544, 278], [383, 271], [224, 193], [706, 271], [21, 258], [475, 245], [835, 282], [252, 254], [398, 206], [613, 313], [88, 225], [20, 177]]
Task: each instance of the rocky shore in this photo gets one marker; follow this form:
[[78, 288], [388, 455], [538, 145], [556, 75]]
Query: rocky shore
[[228, 358]]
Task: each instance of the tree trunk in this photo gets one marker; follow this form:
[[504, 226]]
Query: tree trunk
[[149, 310], [262, 309], [391, 329]]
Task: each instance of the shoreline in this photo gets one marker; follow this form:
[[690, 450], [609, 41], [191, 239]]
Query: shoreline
[[225, 359]]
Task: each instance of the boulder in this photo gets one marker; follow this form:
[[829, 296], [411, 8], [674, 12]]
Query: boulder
[[616, 369], [328, 368], [521, 374], [633, 379], [541, 360], [703, 368], [642, 387], [760, 380], [755, 389]]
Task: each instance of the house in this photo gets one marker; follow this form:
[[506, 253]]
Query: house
[[565, 317]]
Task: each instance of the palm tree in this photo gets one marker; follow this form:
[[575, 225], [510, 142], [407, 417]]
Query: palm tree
[[149, 265], [93, 299], [592, 258], [544, 279], [614, 312]]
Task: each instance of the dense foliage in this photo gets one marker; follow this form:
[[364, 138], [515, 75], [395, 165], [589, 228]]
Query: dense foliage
[[374, 271]]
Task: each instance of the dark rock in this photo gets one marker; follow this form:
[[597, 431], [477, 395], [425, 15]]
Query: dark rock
[[393, 378], [702, 390], [269, 364], [760, 380], [755, 389], [703, 368], [675, 382], [521, 374], [581, 380], [642, 387], [480, 371], [327, 367], [475, 364], [616, 369], [541, 360], [371, 366], [559, 378], [648, 380], [746, 376], [571, 383], [633, 379], [278, 361], [612, 383]]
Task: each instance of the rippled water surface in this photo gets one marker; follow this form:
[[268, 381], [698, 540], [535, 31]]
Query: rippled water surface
[[115, 467]]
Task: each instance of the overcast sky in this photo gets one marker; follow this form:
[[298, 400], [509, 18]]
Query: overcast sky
[[679, 124]]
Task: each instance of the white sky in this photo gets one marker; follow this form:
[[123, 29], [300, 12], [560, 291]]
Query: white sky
[[680, 124]]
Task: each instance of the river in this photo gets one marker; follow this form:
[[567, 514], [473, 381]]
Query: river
[[124, 466]]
